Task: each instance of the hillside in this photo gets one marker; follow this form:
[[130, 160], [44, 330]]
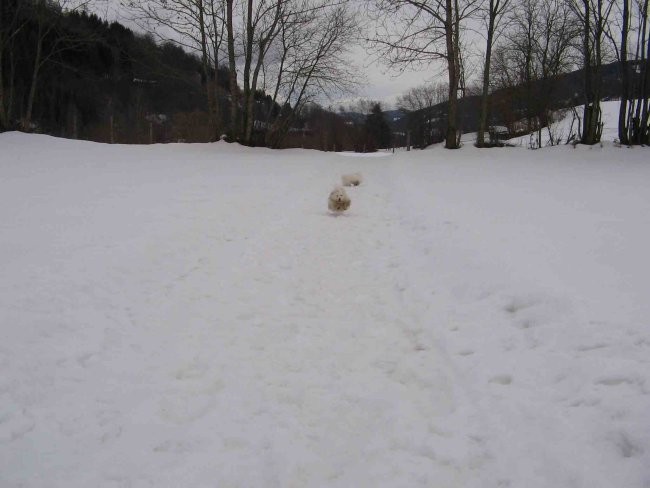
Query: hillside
[[508, 106], [101, 81]]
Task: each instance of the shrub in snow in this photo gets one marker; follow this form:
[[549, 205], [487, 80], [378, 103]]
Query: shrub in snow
[[353, 179], [338, 200]]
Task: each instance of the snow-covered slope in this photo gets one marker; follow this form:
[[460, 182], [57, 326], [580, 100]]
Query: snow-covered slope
[[569, 123], [191, 315]]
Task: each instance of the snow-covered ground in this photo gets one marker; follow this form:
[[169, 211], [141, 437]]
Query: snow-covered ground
[[192, 316], [565, 129], [569, 123]]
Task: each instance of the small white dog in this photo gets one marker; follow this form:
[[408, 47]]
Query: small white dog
[[353, 179], [339, 201]]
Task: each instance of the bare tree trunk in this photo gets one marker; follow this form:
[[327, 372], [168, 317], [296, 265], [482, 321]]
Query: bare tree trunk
[[27, 119], [452, 67], [645, 92], [480, 138], [625, 92], [234, 99], [588, 110], [111, 131], [250, 111], [205, 66], [12, 86], [248, 59], [642, 108], [4, 120], [592, 61], [216, 101], [635, 104], [72, 120], [596, 123], [277, 85], [217, 45]]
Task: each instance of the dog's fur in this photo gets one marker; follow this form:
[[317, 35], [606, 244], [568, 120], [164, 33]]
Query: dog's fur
[[339, 201], [353, 179]]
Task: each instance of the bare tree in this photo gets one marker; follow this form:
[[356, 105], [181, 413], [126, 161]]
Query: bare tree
[[197, 25], [642, 114], [310, 36], [262, 25], [494, 13], [418, 32], [216, 30], [634, 116], [418, 103], [11, 24], [314, 39], [538, 48], [51, 40], [594, 17], [232, 69], [422, 97]]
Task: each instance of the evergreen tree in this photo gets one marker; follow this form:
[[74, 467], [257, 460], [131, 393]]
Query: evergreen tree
[[377, 128]]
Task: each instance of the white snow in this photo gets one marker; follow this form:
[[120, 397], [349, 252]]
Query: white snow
[[568, 125], [192, 316], [564, 130]]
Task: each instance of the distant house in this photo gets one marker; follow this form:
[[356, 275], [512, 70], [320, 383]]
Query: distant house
[[303, 131], [144, 82], [158, 119], [498, 134], [260, 125]]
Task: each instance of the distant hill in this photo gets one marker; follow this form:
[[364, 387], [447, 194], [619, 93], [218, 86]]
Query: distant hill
[[509, 105], [396, 118]]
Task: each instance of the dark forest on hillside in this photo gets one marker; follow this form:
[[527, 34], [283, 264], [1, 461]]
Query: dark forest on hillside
[[100, 81]]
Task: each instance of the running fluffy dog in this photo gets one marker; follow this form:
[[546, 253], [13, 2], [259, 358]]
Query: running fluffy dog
[[339, 201], [353, 179]]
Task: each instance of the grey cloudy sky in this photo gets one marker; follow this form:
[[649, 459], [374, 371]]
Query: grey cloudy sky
[[386, 85]]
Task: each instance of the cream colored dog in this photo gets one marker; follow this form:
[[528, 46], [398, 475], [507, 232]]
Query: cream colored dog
[[339, 201], [353, 179]]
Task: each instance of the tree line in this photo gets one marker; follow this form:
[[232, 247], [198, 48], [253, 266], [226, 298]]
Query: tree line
[[292, 50], [254, 70], [204, 69], [66, 72], [528, 44]]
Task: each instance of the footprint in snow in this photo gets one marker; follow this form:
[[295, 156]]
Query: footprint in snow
[[618, 380], [16, 426], [518, 304], [592, 347], [182, 410], [501, 379], [191, 371], [627, 446]]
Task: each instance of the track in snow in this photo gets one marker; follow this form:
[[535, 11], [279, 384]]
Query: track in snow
[[193, 316]]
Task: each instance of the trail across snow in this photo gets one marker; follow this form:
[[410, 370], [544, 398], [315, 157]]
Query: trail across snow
[[191, 315]]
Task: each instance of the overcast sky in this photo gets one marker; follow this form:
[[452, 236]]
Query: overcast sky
[[382, 85]]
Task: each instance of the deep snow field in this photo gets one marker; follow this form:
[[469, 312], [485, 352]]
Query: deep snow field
[[192, 316]]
